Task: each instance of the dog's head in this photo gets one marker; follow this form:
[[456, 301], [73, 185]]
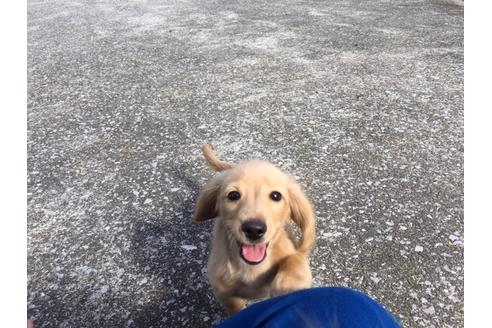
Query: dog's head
[[254, 201]]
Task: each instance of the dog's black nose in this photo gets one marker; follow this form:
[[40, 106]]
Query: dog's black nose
[[254, 229]]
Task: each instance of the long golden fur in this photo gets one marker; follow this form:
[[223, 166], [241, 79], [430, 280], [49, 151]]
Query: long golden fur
[[285, 266]]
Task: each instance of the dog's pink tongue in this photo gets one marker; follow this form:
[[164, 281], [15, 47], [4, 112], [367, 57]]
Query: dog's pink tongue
[[253, 253]]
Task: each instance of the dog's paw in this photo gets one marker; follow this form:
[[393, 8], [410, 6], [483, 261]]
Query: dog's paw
[[236, 309], [285, 283], [234, 304]]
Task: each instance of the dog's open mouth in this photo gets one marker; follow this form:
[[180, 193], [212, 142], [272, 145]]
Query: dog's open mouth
[[253, 254]]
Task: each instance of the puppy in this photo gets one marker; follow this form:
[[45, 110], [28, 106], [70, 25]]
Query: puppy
[[254, 254]]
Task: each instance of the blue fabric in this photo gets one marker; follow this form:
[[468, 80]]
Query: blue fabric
[[326, 307]]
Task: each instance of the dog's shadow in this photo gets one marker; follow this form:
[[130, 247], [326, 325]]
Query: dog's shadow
[[175, 250]]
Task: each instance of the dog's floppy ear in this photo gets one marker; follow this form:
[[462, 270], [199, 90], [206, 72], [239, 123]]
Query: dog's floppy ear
[[206, 205], [301, 212]]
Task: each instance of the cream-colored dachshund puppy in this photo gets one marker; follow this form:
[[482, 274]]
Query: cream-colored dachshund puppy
[[254, 254]]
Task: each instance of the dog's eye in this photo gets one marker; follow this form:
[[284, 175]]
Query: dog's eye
[[276, 196], [233, 196]]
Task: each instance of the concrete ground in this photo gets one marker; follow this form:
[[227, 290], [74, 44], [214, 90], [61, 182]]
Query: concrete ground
[[361, 100]]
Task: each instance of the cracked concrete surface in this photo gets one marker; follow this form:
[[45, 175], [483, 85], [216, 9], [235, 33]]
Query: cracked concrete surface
[[361, 101]]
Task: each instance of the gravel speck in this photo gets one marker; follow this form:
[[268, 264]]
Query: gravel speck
[[188, 247]]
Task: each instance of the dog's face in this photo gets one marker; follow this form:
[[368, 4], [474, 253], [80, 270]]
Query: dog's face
[[253, 206], [253, 202]]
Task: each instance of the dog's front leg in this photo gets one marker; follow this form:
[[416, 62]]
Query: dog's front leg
[[223, 285], [293, 274]]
